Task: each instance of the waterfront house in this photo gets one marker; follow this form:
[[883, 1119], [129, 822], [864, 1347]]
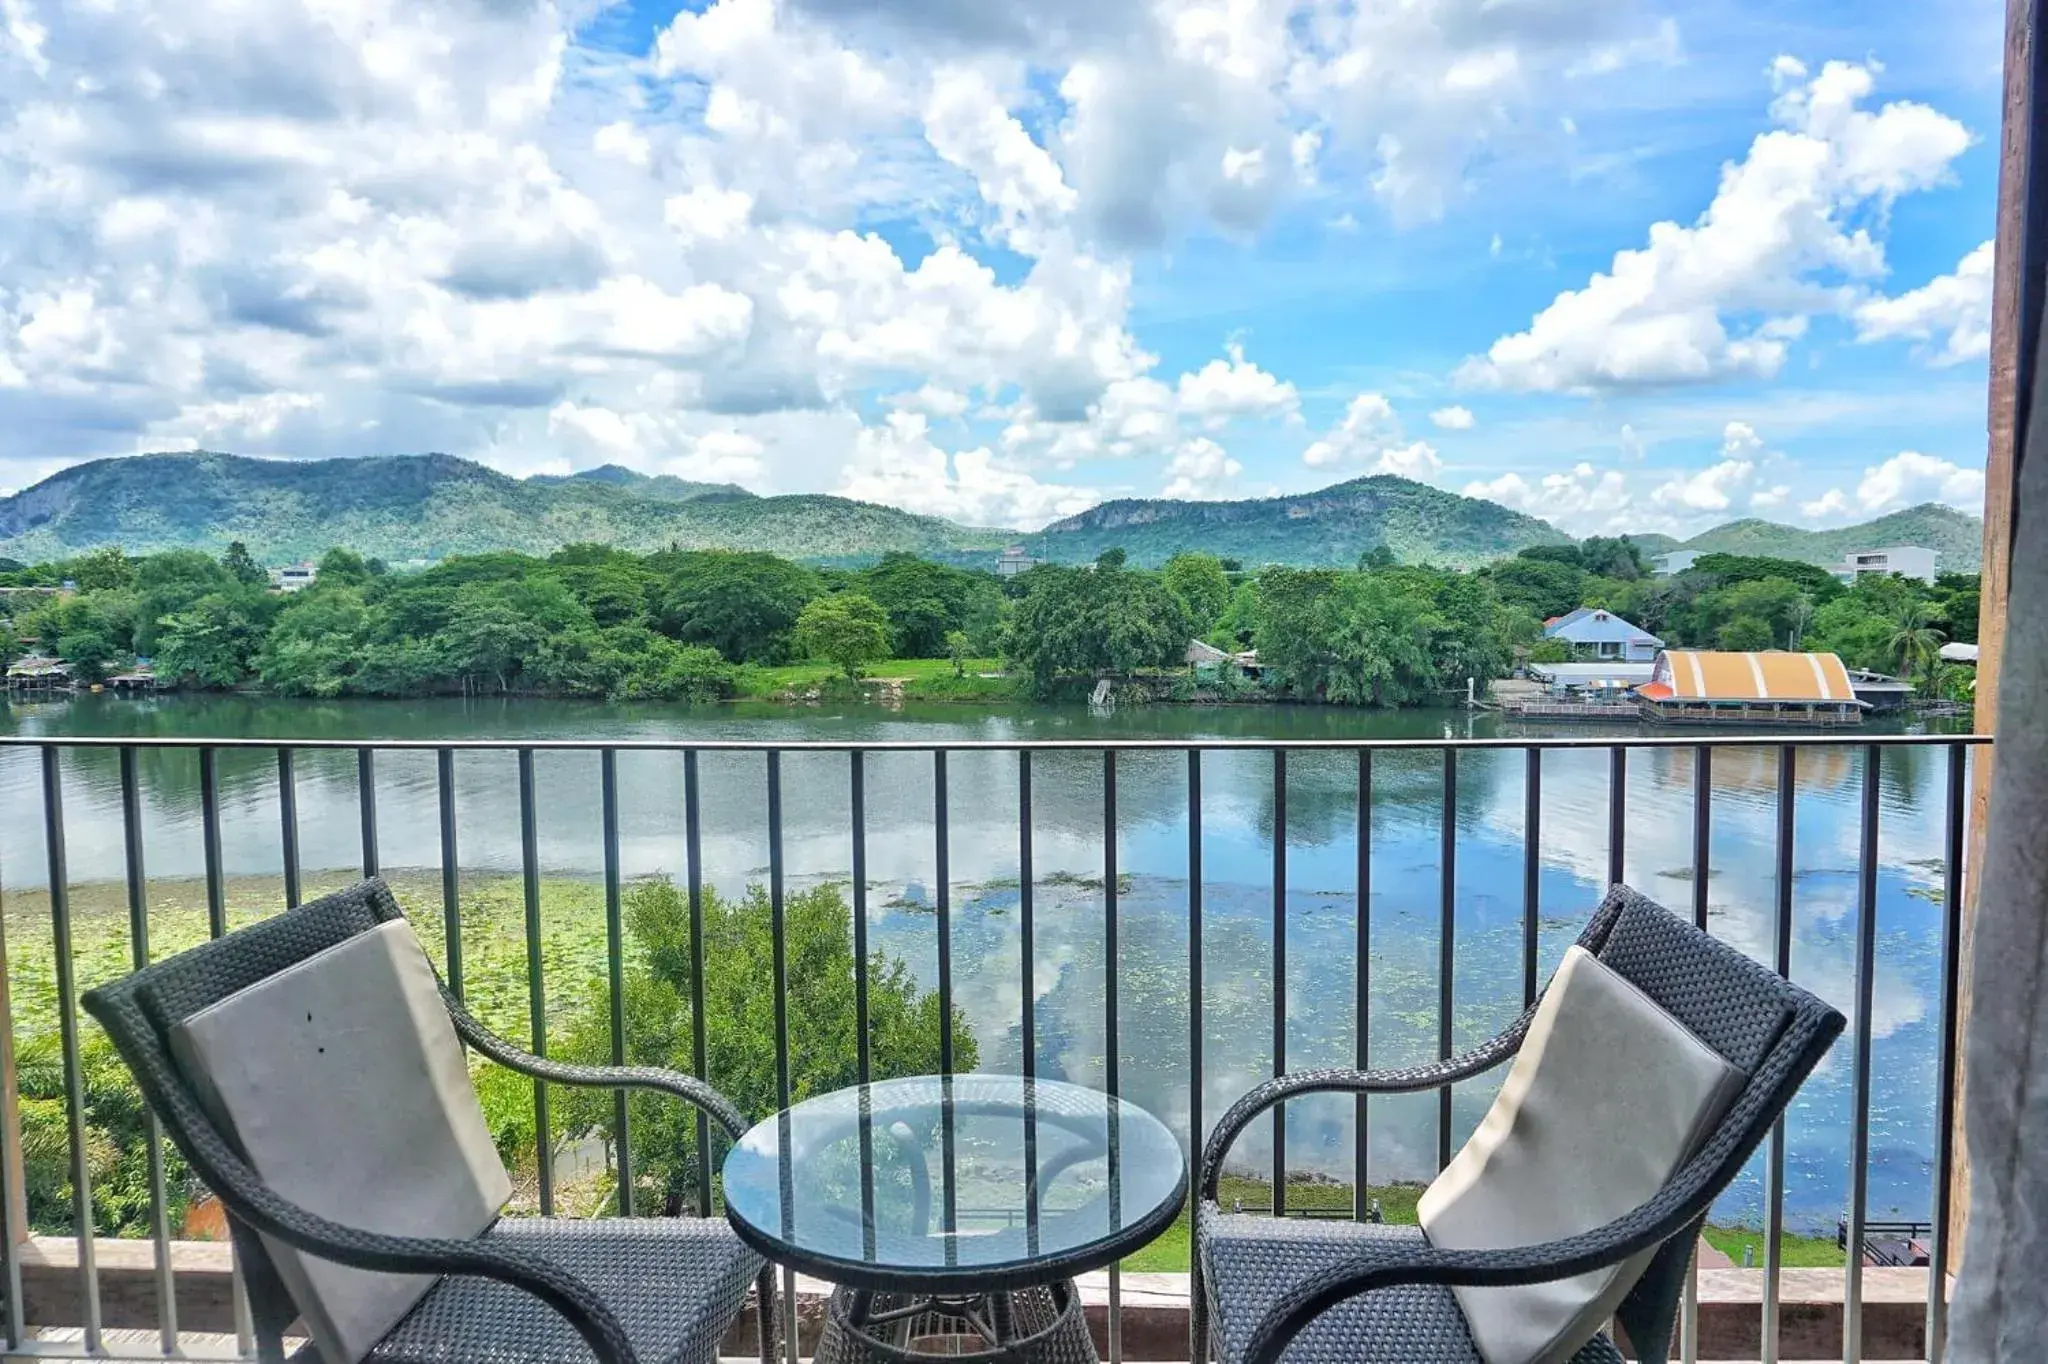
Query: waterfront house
[[38, 672], [1772, 687], [1595, 634]]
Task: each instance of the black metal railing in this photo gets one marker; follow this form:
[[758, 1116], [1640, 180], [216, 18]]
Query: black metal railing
[[52, 753]]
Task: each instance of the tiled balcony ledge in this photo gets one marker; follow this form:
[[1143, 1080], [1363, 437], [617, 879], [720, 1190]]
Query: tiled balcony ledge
[[1154, 1305]]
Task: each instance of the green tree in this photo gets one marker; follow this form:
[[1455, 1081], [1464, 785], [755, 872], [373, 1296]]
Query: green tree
[[1538, 585], [956, 649], [242, 566], [1915, 643], [847, 631], [1199, 581], [214, 642], [1111, 560], [903, 1021], [1550, 651], [927, 601], [744, 605], [1743, 634], [1108, 620], [344, 567], [1378, 557], [102, 569], [317, 643]]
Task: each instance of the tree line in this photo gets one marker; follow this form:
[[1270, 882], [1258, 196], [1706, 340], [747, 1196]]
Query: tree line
[[591, 620]]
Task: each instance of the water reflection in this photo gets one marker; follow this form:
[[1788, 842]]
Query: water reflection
[[1068, 972]]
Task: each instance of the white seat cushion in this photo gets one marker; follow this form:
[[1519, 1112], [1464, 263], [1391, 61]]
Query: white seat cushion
[[1605, 1101], [343, 1082]]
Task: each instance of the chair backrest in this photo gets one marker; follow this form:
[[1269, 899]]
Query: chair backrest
[[139, 1010], [1773, 1030]]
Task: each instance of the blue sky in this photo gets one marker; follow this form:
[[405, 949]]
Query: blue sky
[[1629, 266]]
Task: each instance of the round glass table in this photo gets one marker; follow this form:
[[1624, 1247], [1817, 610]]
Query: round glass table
[[954, 1212]]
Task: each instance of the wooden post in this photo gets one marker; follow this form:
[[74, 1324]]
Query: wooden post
[[2001, 479]]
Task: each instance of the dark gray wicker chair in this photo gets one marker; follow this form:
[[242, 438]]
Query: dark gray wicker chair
[[1361, 1293], [625, 1289]]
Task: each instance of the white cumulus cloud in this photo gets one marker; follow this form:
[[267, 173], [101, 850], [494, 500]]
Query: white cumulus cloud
[[1783, 238], [1953, 311], [1453, 418], [1369, 435]]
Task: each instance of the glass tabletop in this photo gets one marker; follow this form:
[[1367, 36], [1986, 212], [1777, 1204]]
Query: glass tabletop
[[968, 1182]]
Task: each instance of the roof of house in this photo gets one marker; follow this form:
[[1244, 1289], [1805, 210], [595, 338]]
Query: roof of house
[[1705, 675], [1201, 651], [1590, 624]]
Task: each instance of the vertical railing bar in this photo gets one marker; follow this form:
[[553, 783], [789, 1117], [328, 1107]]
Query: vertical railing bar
[[451, 869], [615, 969], [536, 987], [1532, 867], [1617, 814], [1196, 1134], [1112, 1068], [1859, 1103], [1774, 1161], [857, 807], [67, 1032], [366, 808], [216, 927], [1361, 1004], [1702, 866], [1945, 1092], [138, 944], [1447, 952], [1279, 976], [778, 931], [693, 847], [209, 842], [288, 825], [1027, 929], [14, 1231], [942, 878]]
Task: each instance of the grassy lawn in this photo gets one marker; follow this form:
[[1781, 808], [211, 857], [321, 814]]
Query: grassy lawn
[[1796, 1252], [760, 681]]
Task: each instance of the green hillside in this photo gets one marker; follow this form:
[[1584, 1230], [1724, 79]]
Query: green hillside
[[404, 507], [666, 487], [1335, 525], [1959, 538]]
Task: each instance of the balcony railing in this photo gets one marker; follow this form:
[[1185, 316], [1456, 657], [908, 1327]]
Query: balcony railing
[[1361, 843]]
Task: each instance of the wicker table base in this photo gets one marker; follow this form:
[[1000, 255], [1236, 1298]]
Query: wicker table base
[[1030, 1326]]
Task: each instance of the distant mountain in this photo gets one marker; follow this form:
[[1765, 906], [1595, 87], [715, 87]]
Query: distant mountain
[[1336, 525], [667, 487], [1956, 536], [402, 507]]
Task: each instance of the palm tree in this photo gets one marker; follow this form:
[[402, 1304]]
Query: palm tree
[[1915, 641]]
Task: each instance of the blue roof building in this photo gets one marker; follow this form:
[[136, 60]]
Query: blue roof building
[[1596, 634]]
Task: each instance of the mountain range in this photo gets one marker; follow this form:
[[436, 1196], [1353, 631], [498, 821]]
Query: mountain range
[[409, 507]]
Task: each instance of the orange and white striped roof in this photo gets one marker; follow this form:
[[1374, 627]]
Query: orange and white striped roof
[[1706, 675]]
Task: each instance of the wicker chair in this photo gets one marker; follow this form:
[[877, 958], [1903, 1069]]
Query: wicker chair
[[635, 1289], [1373, 1294]]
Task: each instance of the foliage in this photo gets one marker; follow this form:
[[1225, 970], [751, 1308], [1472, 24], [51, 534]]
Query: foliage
[[214, 642], [1550, 651], [1347, 638], [847, 630], [743, 604], [958, 646], [1109, 621], [1199, 581], [1915, 642], [1957, 537], [1542, 587], [928, 601], [903, 1021]]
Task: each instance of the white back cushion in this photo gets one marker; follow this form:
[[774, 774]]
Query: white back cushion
[[343, 1082], [1605, 1101]]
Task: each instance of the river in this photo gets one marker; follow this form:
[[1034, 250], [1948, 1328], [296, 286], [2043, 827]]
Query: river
[[1237, 815]]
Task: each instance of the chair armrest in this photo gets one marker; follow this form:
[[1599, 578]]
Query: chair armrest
[[672, 1082], [1434, 1075]]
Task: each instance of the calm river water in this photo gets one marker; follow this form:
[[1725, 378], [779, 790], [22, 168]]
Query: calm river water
[[1237, 816]]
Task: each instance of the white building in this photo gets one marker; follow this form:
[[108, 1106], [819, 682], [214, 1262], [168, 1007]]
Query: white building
[[294, 577], [1908, 561], [1676, 562], [1015, 560]]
